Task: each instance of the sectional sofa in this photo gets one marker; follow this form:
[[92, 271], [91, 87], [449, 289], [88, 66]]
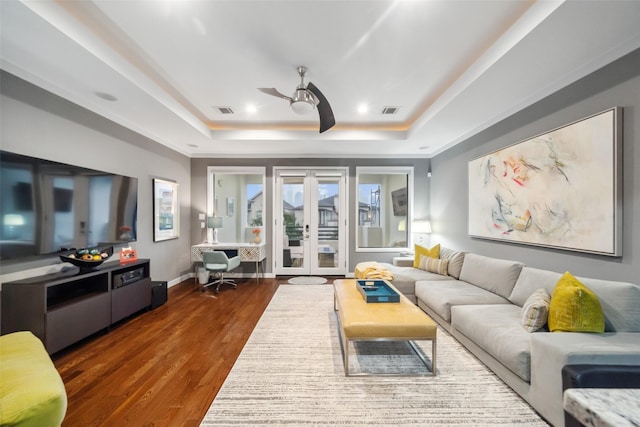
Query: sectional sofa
[[479, 301]]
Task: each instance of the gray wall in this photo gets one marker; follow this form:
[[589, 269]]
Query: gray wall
[[199, 194], [617, 84], [39, 124]]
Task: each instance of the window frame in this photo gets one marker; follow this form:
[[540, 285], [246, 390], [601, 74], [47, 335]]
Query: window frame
[[240, 205], [384, 170]]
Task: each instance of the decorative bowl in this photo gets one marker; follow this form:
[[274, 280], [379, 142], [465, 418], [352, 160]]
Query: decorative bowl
[[76, 259]]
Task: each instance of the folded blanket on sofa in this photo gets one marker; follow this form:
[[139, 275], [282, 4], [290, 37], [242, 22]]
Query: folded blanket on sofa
[[372, 270]]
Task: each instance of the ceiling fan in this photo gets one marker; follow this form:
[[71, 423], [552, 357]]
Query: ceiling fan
[[306, 98]]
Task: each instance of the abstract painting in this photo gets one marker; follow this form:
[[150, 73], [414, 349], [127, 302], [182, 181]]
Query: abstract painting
[[560, 189]]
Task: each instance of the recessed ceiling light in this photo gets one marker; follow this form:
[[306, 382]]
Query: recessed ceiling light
[[363, 108], [106, 96], [192, 145], [251, 109], [424, 147]]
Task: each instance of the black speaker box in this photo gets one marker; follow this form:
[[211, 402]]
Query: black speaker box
[[158, 294]]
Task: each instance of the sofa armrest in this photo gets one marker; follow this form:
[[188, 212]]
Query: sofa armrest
[[403, 261], [551, 351]]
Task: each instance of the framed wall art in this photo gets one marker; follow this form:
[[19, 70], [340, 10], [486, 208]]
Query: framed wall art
[[166, 210], [561, 189]]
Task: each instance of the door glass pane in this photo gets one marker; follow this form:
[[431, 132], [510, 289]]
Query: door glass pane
[[293, 219], [328, 220]]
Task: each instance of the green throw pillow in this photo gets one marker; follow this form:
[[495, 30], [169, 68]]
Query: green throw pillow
[[574, 307]]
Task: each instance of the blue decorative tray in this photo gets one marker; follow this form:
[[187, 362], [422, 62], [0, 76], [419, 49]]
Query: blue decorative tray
[[377, 291]]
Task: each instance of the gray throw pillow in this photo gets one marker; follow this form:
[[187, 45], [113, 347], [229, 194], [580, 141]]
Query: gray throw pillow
[[455, 261]]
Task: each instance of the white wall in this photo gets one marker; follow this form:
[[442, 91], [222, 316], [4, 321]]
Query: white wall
[[39, 124]]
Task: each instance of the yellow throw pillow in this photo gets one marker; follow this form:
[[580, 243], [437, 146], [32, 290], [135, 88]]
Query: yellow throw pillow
[[419, 251], [574, 307]]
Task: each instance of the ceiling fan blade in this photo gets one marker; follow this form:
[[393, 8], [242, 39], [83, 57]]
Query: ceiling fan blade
[[273, 92], [324, 109]]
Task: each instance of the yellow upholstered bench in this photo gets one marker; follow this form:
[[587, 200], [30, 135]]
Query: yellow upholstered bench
[[31, 390], [362, 321]]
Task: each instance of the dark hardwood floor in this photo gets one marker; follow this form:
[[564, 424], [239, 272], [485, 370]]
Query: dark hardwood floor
[[162, 367]]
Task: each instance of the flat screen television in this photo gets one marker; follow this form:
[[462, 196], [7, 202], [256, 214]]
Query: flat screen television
[[50, 207]]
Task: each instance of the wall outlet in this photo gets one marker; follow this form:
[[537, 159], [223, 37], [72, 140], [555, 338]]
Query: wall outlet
[[202, 225]]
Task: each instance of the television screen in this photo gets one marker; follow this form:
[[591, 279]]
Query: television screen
[[48, 207]]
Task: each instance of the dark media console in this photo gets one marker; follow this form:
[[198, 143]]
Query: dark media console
[[65, 307]]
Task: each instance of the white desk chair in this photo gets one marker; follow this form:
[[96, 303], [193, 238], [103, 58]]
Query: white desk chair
[[218, 263]]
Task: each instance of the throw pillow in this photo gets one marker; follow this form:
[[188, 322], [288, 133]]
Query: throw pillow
[[574, 307], [455, 261], [419, 251], [434, 265], [535, 310]]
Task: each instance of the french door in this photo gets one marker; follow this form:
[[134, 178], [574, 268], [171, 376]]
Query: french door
[[310, 221]]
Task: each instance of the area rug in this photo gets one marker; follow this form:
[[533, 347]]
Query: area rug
[[290, 372], [307, 280]]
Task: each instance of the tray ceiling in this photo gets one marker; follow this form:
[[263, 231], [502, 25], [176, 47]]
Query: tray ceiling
[[185, 73]]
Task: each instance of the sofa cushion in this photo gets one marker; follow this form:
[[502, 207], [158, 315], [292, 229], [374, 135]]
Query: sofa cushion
[[620, 302], [419, 251], [497, 329], [493, 274], [434, 265], [455, 261], [404, 278], [530, 280], [535, 311], [441, 295], [574, 307]]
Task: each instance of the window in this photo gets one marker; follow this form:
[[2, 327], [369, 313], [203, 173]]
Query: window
[[384, 206], [236, 194]]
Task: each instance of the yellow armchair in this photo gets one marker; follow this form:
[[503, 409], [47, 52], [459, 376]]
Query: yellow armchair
[[31, 390]]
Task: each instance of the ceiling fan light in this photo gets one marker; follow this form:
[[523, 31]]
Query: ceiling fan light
[[302, 107], [302, 102]]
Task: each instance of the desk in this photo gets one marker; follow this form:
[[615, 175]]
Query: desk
[[248, 252], [603, 407]]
